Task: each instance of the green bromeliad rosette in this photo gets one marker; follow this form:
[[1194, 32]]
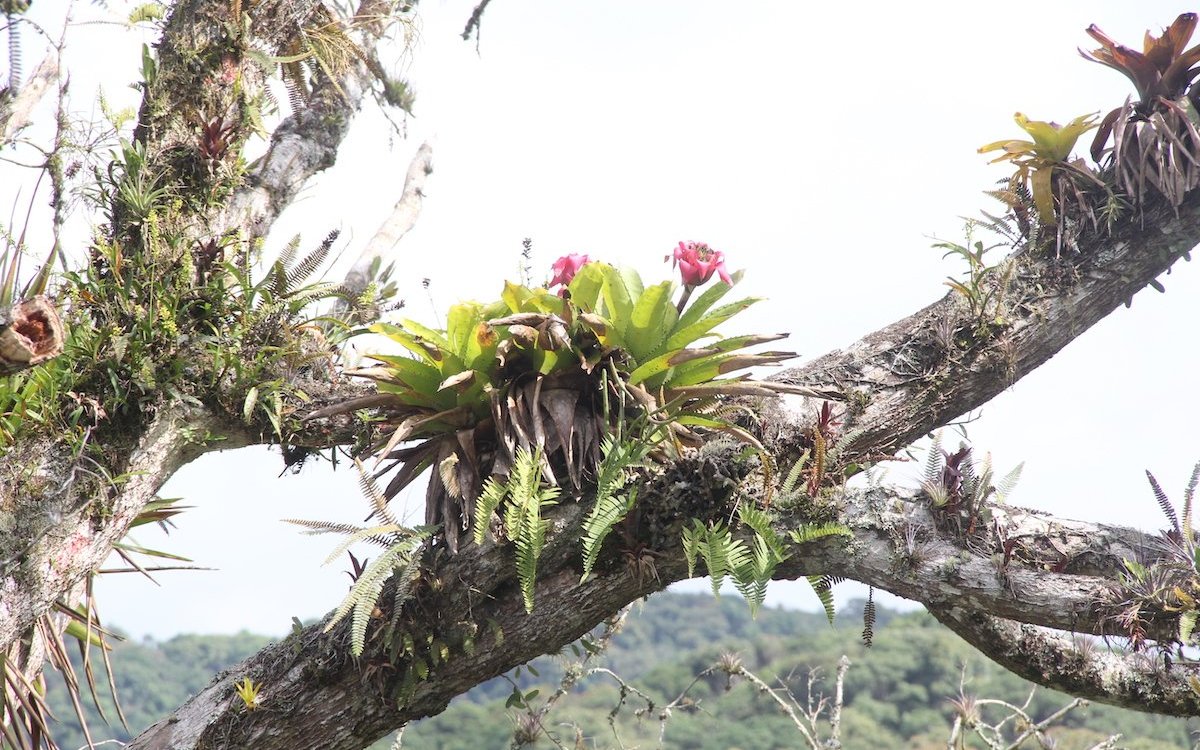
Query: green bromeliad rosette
[[559, 388]]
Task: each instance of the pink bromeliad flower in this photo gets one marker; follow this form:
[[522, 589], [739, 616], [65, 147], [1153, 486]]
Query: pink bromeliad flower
[[698, 262], [566, 267]]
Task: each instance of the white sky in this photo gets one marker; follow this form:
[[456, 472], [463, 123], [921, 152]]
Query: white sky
[[819, 145]]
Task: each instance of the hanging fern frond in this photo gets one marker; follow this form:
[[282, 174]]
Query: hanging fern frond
[[611, 505], [822, 586], [766, 553], [489, 500], [868, 634]]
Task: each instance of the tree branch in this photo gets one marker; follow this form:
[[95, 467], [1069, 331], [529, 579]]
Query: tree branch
[[18, 114], [306, 142], [316, 693], [402, 219], [1136, 681]]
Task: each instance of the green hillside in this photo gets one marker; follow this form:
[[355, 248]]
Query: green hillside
[[895, 693]]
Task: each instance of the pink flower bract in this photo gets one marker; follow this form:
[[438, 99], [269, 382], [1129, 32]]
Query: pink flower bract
[[698, 262], [566, 267]]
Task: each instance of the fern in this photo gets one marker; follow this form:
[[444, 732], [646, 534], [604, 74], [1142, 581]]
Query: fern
[[868, 634], [400, 558], [1164, 503], [485, 507], [611, 506], [1009, 482], [522, 497], [1188, 494], [933, 463], [822, 586], [301, 272], [766, 552], [812, 531]]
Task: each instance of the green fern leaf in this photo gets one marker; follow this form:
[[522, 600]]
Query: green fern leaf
[[485, 507], [823, 588]]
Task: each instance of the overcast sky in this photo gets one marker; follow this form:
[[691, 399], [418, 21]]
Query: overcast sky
[[819, 145]]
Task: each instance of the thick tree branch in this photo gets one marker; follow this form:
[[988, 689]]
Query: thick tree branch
[[18, 113], [48, 547], [316, 691], [306, 142], [1138, 681], [402, 219], [920, 373]]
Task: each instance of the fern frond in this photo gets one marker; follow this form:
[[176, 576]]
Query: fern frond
[[793, 477], [933, 462], [384, 535], [1009, 482], [287, 256], [845, 441], [822, 586], [489, 500], [1164, 503], [868, 633], [300, 273], [610, 507], [1188, 494], [323, 527], [812, 531], [693, 538], [363, 597], [375, 496]]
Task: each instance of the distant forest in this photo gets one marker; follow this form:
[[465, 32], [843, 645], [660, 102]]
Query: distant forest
[[897, 693]]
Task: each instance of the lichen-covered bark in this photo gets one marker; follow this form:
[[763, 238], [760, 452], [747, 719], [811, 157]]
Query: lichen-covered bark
[[313, 692]]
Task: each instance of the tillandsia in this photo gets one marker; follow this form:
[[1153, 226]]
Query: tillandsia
[[552, 372]]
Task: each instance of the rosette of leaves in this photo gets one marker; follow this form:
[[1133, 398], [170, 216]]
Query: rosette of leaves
[[549, 375], [1154, 139], [1044, 164]]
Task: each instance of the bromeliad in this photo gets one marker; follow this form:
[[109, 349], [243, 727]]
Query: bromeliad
[[548, 375]]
